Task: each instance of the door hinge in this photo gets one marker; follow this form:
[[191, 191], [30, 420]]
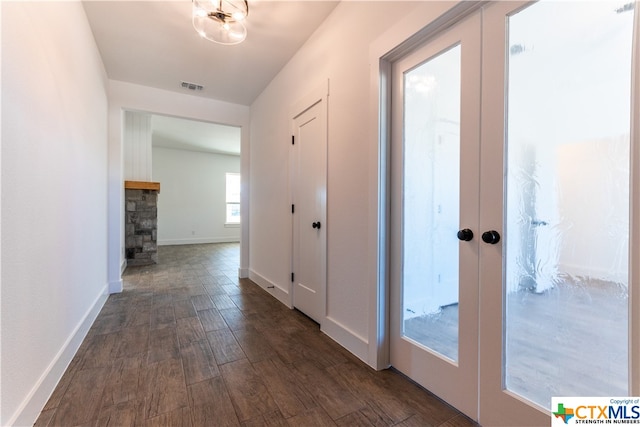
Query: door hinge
[[292, 277], [293, 139], [293, 208]]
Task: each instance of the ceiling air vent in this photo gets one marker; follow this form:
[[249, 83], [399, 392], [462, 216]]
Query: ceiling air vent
[[191, 86]]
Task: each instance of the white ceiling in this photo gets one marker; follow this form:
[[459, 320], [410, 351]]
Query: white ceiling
[[153, 43], [183, 134]]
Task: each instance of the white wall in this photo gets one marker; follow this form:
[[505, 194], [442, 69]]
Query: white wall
[[192, 199], [341, 54], [127, 96], [137, 146], [54, 198]]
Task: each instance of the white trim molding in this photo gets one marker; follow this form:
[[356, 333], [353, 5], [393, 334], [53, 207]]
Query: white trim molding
[[348, 339], [197, 241], [281, 294]]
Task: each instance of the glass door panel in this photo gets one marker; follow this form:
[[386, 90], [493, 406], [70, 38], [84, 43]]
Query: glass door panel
[[432, 203], [567, 200]]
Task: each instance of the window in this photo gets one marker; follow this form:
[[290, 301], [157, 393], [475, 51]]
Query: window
[[233, 198]]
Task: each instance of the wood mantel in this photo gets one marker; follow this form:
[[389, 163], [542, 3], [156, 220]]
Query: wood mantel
[[142, 185]]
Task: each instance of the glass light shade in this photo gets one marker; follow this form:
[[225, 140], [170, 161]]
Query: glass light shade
[[219, 20]]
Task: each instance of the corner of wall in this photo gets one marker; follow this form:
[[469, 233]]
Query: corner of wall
[[116, 287], [32, 405]]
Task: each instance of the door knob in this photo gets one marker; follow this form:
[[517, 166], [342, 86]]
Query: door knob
[[492, 237], [316, 225], [465, 234]]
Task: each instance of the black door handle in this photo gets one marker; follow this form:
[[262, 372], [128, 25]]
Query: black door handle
[[465, 234], [492, 237], [316, 225]]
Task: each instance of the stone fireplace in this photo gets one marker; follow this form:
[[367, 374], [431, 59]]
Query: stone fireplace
[[141, 222]]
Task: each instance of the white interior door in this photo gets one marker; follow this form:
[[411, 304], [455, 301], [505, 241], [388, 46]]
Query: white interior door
[[309, 209], [520, 134], [555, 181], [435, 170]]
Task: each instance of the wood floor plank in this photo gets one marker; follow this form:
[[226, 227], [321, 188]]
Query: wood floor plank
[[222, 301], [202, 302], [101, 352], [177, 418], [163, 344], [211, 320], [376, 415], [109, 323], [429, 408], [198, 361], [120, 415], [224, 346], [195, 287], [139, 316], [214, 289], [83, 399], [459, 420], [211, 404], [288, 348], [163, 316], [232, 290], [67, 377], [254, 345], [319, 348], [184, 308], [291, 398], [189, 330], [248, 392], [209, 415], [274, 419], [161, 298], [360, 382], [358, 419], [133, 340], [123, 383], [165, 387], [311, 417], [416, 420], [334, 399], [234, 318]]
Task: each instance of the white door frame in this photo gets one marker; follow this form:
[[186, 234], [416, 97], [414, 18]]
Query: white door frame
[[319, 95]]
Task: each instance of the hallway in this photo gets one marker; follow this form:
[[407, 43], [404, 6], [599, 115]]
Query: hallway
[[188, 344]]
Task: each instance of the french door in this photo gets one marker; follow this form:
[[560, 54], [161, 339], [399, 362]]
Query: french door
[[434, 331], [511, 210]]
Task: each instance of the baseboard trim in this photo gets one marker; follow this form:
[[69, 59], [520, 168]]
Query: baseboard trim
[[116, 287], [197, 241], [32, 405], [346, 338], [243, 273], [276, 291]]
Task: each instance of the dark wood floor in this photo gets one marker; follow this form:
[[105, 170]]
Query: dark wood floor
[[188, 344]]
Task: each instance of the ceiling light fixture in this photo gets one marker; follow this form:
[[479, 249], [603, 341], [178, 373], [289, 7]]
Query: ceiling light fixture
[[221, 21]]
